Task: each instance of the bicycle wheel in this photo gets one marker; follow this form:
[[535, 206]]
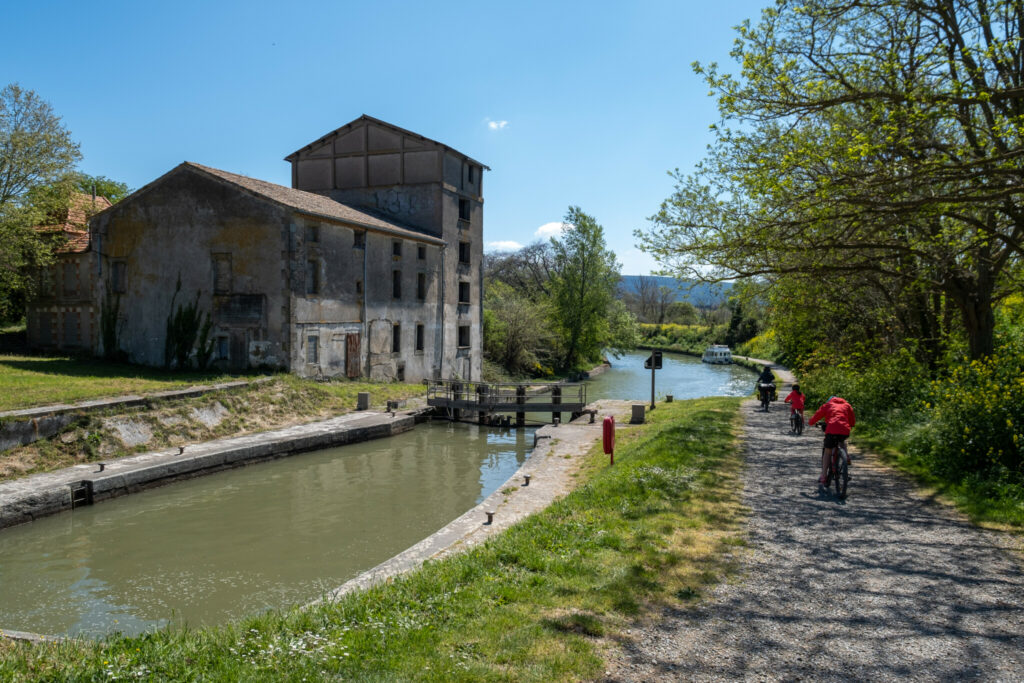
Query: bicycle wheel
[[842, 478], [799, 424]]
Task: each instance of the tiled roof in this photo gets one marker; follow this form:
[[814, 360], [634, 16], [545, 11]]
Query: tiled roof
[[315, 205], [75, 226]]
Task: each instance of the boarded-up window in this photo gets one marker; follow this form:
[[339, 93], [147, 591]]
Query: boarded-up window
[[419, 336], [70, 279], [46, 329], [396, 284], [396, 248], [313, 349], [359, 239], [463, 209], [396, 338], [463, 292], [421, 252], [222, 273], [463, 252], [463, 336], [312, 277], [312, 233], [117, 282], [421, 286], [352, 355], [72, 335]]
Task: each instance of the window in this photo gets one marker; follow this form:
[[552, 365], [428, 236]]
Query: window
[[463, 292], [463, 252], [45, 329], [46, 281], [396, 248], [313, 349], [463, 209], [223, 348], [359, 286], [71, 329], [312, 233], [359, 239], [471, 174], [463, 336], [421, 252], [70, 279], [421, 286], [419, 336], [312, 277], [396, 284], [396, 338], [117, 283], [222, 273]]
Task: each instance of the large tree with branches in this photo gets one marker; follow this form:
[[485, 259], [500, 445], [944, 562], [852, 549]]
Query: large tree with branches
[[878, 137]]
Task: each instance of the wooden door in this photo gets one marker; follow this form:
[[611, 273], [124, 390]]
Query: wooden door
[[352, 355]]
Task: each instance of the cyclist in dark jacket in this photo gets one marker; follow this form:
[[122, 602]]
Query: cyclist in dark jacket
[[767, 377]]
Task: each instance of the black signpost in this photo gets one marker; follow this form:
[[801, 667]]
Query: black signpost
[[653, 363]]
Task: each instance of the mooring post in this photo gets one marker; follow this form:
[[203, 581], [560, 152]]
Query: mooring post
[[481, 394], [520, 412], [556, 398]]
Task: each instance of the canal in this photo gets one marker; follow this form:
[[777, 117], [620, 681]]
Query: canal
[[238, 542], [281, 533]]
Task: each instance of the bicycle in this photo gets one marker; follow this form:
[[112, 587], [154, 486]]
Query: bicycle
[[838, 470], [796, 422], [764, 393]]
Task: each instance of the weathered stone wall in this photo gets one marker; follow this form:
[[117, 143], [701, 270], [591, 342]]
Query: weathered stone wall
[[187, 225], [62, 316]]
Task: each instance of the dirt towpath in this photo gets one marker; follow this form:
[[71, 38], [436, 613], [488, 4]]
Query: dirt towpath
[[884, 585]]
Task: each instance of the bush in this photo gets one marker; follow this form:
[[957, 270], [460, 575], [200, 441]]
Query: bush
[[977, 418]]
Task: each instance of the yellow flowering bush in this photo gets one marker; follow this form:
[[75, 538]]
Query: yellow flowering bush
[[977, 416]]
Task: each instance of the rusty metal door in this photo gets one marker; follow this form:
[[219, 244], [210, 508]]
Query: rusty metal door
[[352, 355], [239, 350]]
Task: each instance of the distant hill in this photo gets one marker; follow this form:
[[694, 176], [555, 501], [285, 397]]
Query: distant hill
[[699, 294]]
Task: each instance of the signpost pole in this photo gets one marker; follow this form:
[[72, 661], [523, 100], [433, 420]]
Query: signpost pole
[[652, 386]]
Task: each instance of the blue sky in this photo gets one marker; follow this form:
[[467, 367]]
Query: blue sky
[[569, 103]]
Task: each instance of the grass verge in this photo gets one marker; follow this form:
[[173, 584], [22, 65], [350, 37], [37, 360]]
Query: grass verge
[[540, 601], [987, 503]]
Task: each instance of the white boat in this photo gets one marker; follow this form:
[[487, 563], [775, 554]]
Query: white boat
[[717, 354]]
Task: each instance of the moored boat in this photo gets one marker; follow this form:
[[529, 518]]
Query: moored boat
[[717, 354]]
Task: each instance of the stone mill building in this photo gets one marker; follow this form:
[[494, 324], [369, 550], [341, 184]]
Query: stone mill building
[[368, 266]]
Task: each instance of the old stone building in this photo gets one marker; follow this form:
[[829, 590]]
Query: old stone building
[[368, 266], [61, 316]]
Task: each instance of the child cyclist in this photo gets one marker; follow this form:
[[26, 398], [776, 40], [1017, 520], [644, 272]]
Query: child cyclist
[[796, 401], [839, 420]]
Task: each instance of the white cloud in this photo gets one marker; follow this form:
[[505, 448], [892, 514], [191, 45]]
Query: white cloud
[[504, 245], [496, 125], [552, 229]]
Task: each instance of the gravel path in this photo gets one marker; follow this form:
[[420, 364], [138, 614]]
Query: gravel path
[[884, 585]]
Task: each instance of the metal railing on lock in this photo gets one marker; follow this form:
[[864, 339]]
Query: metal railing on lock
[[507, 397]]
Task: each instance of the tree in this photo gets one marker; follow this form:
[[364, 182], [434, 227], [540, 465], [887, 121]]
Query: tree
[[883, 139], [584, 277], [101, 186], [37, 156], [517, 335]]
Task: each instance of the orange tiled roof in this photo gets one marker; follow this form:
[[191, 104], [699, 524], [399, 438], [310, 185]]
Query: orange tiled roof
[[75, 227]]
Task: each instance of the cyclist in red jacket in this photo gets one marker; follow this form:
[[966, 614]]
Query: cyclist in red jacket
[[796, 400], [839, 420]]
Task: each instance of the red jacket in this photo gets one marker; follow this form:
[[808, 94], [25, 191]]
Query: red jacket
[[797, 399], [838, 416]]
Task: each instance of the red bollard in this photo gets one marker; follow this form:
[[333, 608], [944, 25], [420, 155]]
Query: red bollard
[[608, 432]]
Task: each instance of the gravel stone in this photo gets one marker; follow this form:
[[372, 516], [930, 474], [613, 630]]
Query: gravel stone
[[886, 584]]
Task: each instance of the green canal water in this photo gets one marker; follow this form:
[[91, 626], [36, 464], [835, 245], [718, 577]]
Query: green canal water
[[238, 542], [281, 533]]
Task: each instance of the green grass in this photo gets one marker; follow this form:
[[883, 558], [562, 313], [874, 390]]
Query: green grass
[[986, 502], [538, 602], [27, 381]]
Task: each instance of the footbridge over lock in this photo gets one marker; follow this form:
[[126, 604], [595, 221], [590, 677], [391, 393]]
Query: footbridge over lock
[[495, 402]]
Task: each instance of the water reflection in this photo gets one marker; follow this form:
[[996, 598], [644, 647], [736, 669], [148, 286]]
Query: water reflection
[[682, 376], [242, 541]]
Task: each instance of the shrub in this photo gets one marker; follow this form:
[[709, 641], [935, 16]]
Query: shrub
[[977, 418]]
